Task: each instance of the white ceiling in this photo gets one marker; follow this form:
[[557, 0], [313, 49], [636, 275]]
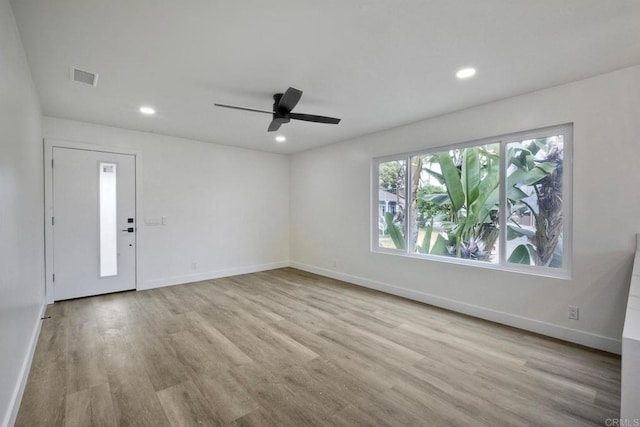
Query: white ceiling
[[374, 63]]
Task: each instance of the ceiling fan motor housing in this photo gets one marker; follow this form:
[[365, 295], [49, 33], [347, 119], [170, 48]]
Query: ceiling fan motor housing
[[278, 113]]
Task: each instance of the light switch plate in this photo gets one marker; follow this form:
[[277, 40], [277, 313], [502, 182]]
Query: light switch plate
[[152, 221]]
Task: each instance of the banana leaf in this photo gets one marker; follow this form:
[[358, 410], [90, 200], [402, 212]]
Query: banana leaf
[[514, 232], [527, 177], [451, 180], [515, 194], [437, 198], [394, 231], [520, 255], [440, 246], [470, 174], [548, 167], [434, 174], [489, 194], [426, 242], [490, 155]]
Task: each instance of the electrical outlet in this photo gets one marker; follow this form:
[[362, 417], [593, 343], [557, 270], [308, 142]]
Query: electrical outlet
[[194, 265], [573, 312]]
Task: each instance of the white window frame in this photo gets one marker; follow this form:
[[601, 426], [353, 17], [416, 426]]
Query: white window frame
[[567, 196]]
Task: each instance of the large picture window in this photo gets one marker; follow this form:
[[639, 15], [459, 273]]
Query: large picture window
[[502, 202]]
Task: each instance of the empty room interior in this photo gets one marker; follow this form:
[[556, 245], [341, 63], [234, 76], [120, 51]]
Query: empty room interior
[[297, 213]]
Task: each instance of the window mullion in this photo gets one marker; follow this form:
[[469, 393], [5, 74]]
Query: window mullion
[[375, 197], [408, 201], [502, 205]]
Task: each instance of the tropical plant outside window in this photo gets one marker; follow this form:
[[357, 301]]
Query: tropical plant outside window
[[453, 202], [456, 202], [535, 201], [391, 204]]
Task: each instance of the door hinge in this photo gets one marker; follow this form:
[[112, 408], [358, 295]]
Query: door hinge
[[53, 220], [51, 163], [54, 278]]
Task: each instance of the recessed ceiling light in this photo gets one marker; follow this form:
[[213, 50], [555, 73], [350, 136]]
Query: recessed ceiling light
[[147, 110], [465, 73], [280, 138]]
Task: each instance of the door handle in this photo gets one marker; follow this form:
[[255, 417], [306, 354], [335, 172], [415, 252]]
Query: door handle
[[129, 230]]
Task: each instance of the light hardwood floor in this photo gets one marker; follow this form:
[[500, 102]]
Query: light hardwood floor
[[288, 348]]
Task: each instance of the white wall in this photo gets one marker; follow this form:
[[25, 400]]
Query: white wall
[[21, 214], [330, 215], [227, 208]]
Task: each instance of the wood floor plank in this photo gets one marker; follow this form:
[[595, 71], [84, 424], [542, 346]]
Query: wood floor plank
[[260, 417], [282, 404], [262, 343], [224, 351], [195, 356], [162, 365], [40, 406], [114, 311], [225, 395], [78, 409], [134, 399], [319, 383], [185, 406], [369, 374], [53, 334], [90, 407], [85, 357], [291, 348], [156, 317], [352, 416]]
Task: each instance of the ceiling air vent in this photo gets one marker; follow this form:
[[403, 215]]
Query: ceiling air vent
[[85, 77]]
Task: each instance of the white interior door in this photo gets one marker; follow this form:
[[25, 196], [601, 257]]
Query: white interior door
[[94, 229]]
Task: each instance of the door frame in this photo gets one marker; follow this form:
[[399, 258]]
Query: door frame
[[49, 145]]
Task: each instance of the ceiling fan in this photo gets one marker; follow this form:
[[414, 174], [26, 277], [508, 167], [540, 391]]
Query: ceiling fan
[[283, 103]]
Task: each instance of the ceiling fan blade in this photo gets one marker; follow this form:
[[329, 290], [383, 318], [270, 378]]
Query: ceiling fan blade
[[289, 99], [275, 125], [235, 107], [312, 118]]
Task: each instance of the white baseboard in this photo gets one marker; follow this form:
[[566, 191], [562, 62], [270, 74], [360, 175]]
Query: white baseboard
[[572, 335], [10, 417], [179, 280]]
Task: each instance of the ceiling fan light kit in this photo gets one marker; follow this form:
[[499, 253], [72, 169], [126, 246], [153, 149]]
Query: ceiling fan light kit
[[283, 104]]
